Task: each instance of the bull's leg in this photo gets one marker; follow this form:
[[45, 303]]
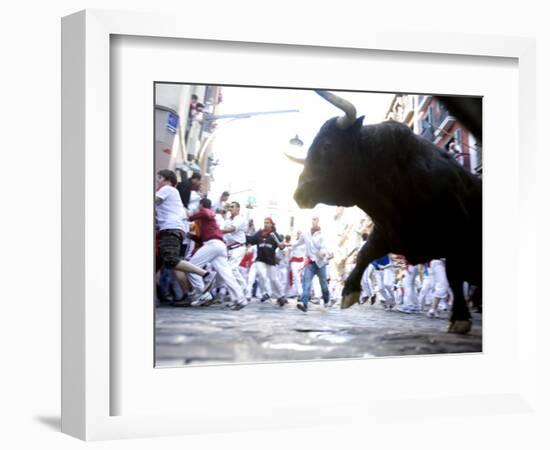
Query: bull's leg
[[460, 321], [374, 248]]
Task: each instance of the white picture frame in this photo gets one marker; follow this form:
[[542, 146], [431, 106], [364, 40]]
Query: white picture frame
[[88, 385]]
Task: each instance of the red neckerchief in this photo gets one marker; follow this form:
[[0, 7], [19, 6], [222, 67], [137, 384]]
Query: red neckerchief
[[315, 229]]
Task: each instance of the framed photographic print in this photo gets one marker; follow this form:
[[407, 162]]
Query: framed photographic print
[[236, 187], [192, 158]]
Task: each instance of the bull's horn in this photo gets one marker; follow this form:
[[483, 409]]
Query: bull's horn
[[301, 161], [351, 114]]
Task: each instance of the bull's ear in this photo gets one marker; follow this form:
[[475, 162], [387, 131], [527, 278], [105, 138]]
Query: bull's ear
[[358, 123]]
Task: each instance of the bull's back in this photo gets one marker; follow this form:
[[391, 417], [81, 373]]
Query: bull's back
[[420, 198]]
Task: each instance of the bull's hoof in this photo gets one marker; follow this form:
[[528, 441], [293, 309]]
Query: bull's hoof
[[350, 299], [460, 326]]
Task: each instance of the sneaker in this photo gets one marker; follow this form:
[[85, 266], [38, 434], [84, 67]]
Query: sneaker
[[301, 307], [282, 301], [238, 305], [264, 298], [208, 302], [432, 314], [203, 300]]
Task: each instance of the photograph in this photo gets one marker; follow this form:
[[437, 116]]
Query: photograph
[[297, 224]]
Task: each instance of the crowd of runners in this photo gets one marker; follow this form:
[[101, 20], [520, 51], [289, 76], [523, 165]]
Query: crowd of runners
[[208, 253]]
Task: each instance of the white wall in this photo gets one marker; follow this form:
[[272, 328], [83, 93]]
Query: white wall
[[30, 83]]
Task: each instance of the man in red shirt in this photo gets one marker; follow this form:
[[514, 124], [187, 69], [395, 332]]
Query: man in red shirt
[[213, 251]]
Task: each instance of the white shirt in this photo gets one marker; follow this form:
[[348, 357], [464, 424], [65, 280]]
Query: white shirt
[[315, 247], [193, 205], [170, 211], [298, 250], [237, 236], [283, 256]]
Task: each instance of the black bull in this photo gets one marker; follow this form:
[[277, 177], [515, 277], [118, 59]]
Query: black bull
[[423, 204]]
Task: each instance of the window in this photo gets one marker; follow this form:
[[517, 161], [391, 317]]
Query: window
[[458, 136]]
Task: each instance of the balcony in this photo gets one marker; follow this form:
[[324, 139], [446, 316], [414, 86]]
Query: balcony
[[440, 118], [443, 123]]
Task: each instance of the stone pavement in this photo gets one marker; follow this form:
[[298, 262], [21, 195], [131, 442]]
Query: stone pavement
[[264, 332]]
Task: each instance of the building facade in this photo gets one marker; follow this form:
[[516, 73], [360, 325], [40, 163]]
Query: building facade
[[184, 127], [429, 118], [435, 123]]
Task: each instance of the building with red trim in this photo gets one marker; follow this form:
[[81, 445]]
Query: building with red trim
[[429, 118]]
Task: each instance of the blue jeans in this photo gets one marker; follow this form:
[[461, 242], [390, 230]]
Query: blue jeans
[[310, 271], [169, 284]]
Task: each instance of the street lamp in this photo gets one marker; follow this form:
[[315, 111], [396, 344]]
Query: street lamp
[[296, 141]]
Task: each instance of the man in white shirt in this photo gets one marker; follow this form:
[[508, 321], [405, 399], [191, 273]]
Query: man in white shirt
[[317, 262], [170, 215], [235, 239], [194, 193], [193, 197]]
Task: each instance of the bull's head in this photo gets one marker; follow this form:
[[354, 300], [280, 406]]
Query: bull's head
[[327, 175]]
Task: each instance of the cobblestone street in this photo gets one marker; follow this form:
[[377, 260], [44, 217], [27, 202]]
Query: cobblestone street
[[266, 332]]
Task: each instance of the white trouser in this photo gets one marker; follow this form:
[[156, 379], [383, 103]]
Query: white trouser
[[244, 274], [425, 296], [389, 279], [441, 285], [268, 279], [410, 299], [296, 268], [283, 277], [219, 283], [214, 252], [366, 284], [384, 284], [251, 278], [236, 255]]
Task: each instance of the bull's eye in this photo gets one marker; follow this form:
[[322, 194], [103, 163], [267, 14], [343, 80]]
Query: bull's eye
[[320, 152]]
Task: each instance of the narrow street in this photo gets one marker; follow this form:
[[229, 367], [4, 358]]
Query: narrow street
[[265, 332]]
